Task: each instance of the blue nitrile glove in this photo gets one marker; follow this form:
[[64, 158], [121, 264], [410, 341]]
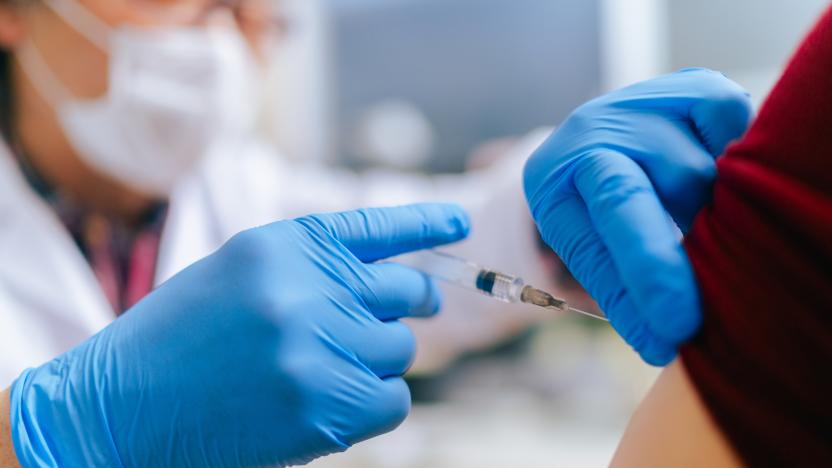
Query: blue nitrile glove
[[281, 347], [602, 186]]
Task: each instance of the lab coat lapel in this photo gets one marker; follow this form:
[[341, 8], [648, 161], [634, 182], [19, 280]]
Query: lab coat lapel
[[47, 287], [216, 202], [195, 226]]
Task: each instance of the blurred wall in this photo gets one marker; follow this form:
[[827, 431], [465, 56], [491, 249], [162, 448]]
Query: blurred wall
[[750, 40], [738, 34], [475, 69], [438, 77]]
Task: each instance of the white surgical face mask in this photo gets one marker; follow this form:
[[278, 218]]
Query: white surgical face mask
[[171, 94]]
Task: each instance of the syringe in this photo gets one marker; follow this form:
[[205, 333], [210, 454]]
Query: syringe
[[492, 283]]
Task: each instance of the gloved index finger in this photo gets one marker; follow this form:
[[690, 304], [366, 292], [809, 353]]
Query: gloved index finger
[[373, 234], [645, 249]]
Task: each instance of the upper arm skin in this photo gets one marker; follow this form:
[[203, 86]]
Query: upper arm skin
[[672, 428], [7, 457]]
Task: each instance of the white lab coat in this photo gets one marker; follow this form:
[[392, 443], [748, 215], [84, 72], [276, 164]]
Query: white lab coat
[[50, 300]]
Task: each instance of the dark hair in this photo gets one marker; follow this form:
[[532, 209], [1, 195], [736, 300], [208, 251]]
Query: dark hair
[[6, 95], [6, 90]]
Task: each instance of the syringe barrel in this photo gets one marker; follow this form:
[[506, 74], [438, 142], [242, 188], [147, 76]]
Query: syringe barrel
[[442, 266], [463, 273], [504, 287]]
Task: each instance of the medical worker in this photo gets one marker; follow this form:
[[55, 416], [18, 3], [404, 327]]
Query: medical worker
[[129, 153], [284, 345]]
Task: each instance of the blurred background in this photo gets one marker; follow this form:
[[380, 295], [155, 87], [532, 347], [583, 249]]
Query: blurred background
[[437, 85]]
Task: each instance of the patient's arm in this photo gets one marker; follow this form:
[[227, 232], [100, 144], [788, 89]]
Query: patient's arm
[[672, 428]]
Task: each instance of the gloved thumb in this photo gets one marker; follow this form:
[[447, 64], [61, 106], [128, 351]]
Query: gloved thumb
[[720, 114], [723, 114], [376, 233], [701, 112]]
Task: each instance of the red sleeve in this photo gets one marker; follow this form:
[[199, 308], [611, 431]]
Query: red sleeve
[[762, 252]]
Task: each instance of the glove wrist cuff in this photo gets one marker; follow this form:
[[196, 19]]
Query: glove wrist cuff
[[30, 446], [51, 425]]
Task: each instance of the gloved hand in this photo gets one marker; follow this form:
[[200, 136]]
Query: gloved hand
[[282, 346], [602, 186]]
